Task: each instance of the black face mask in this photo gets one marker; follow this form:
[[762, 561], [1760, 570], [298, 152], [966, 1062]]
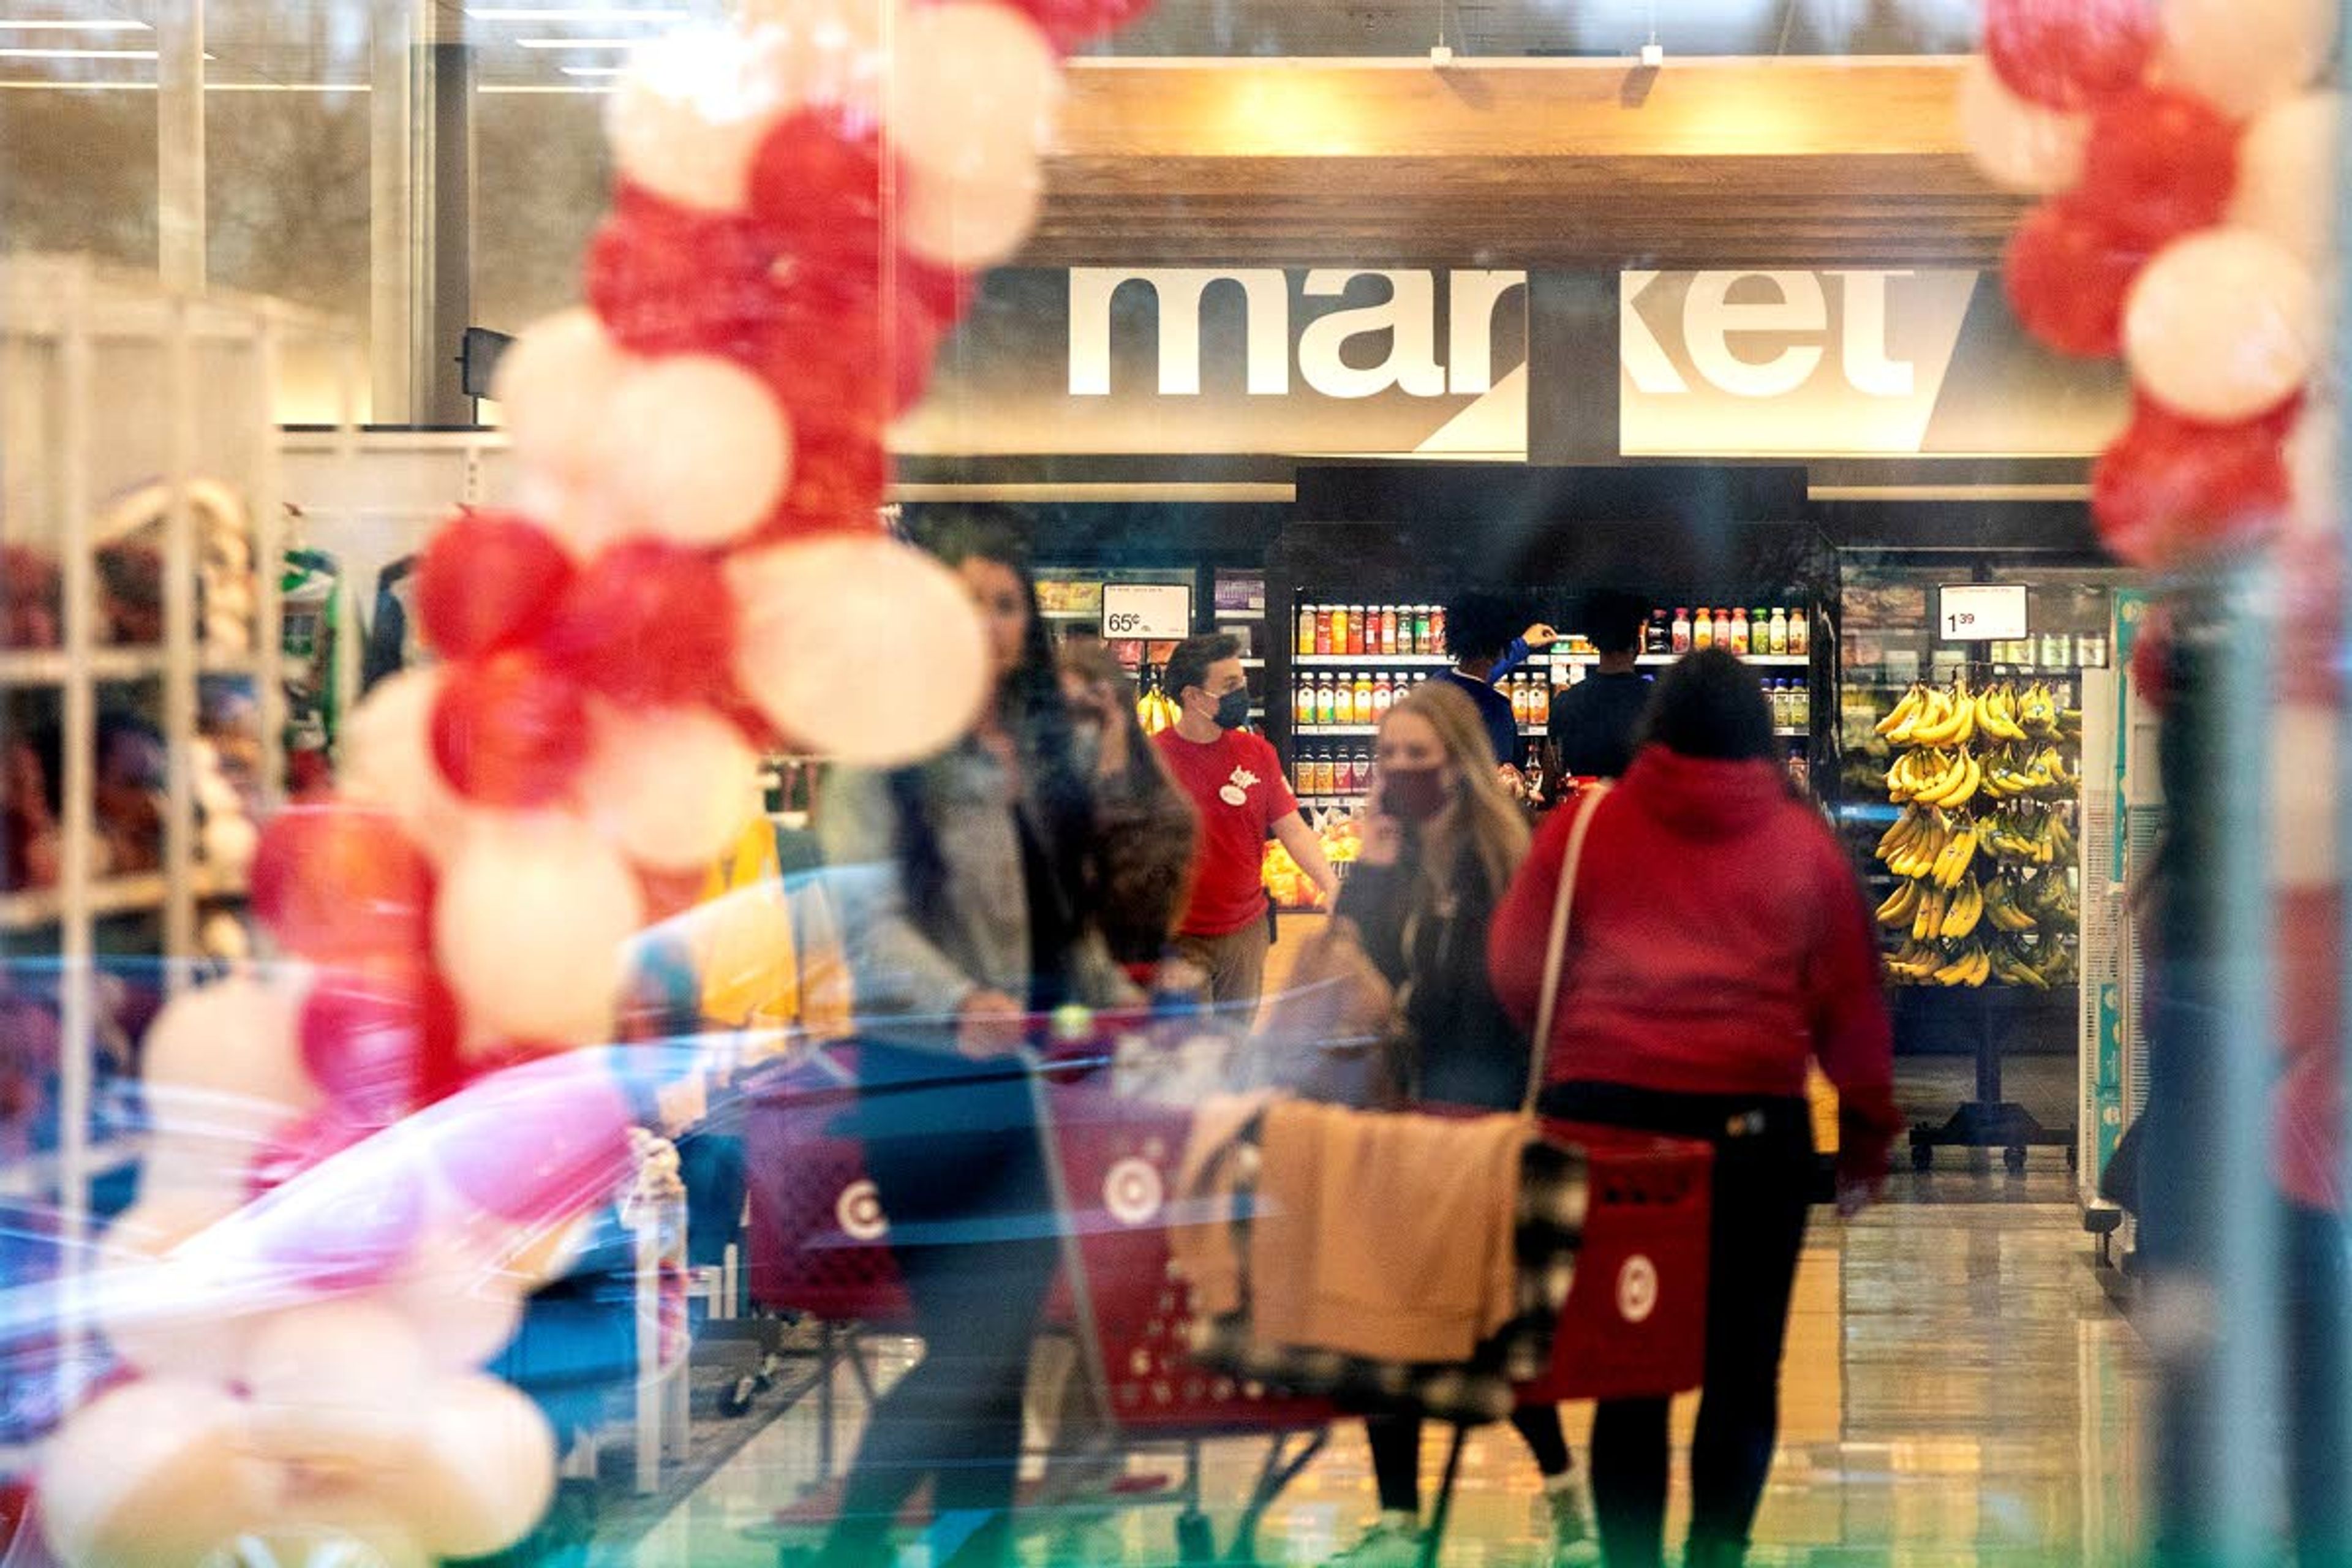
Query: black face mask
[[1233, 709]]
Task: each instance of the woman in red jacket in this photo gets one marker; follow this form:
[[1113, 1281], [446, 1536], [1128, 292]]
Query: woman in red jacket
[[1718, 942]]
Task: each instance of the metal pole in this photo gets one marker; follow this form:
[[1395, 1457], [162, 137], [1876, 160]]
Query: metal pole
[[392, 270], [180, 226], [441, 207]]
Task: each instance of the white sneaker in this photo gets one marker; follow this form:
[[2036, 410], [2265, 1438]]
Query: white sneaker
[[1566, 1518], [1385, 1545]]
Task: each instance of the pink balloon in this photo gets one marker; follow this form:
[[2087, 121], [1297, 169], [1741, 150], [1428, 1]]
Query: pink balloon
[[538, 1141], [345, 1219]]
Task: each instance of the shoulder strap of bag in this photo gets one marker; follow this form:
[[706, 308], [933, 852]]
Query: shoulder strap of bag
[[1555, 947]]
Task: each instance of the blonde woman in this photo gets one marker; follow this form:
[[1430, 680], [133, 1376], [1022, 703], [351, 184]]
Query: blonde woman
[[1443, 840]]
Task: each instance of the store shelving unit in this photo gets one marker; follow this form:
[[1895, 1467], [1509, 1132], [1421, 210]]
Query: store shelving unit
[[108, 384]]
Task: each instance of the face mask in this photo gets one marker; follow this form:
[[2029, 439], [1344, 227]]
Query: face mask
[[1233, 709], [1415, 794]]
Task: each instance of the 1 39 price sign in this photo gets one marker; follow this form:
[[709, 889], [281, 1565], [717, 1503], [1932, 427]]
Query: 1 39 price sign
[[1981, 612]]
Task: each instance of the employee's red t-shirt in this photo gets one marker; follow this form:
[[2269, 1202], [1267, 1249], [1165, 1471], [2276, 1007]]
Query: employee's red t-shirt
[[1236, 783]]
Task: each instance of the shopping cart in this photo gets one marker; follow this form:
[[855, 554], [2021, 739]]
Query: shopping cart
[[819, 1247]]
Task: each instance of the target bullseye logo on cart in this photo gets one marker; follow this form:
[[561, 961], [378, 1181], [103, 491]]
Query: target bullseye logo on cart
[[858, 1211], [1637, 1290], [1133, 1191]]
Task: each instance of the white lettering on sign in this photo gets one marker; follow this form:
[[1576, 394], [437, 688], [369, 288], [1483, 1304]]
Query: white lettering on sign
[[1782, 339], [1151, 611], [1408, 317], [1981, 612]]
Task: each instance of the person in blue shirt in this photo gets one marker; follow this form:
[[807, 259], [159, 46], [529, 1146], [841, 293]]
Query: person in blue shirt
[[1478, 633]]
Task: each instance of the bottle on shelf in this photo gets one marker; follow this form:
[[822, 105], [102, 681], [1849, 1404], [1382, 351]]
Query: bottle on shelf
[[1659, 636], [1803, 705], [1383, 698], [1723, 628], [1777, 693], [1738, 643], [1339, 628], [1323, 630], [1778, 633], [1357, 625], [1436, 638], [1359, 770], [1326, 701], [1679, 632], [1389, 631], [1305, 642], [1363, 697], [1800, 634], [1703, 629]]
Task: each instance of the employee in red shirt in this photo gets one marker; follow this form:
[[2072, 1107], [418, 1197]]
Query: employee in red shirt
[[1235, 781]]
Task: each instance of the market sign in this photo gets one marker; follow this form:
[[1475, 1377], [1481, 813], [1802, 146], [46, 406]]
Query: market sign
[[1232, 360]]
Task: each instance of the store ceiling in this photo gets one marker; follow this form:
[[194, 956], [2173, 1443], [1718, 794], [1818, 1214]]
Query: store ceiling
[[317, 42]]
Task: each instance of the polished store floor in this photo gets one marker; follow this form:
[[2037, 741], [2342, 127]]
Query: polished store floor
[[1958, 1391]]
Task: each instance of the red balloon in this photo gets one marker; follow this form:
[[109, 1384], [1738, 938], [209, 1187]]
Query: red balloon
[[816, 187], [2159, 163], [2066, 273], [382, 1040], [1070, 23], [648, 624], [666, 281], [335, 882], [511, 729], [537, 1141], [2067, 54], [488, 580], [840, 473], [2170, 490]]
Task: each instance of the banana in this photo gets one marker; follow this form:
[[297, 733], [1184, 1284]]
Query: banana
[[1998, 715], [1891, 841], [1902, 906], [1928, 916], [1972, 779], [1959, 857], [1955, 720], [1903, 713], [1933, 712], [1967, 909]]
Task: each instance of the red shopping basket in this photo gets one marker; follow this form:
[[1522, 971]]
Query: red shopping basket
[[815, 1240], [1635, 1322]]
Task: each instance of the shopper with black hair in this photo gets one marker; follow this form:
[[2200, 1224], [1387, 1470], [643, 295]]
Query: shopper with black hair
[[1235, 782], [1718, 942], [966, 888], [1593, 723], [1478, 633]]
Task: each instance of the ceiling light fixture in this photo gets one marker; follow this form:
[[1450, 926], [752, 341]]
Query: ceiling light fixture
[[579, 43], [77, 53], [595, 70], [53, 24], [575, 14]]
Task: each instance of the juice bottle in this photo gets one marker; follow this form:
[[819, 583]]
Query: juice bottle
[[1364, 697], [1383, 698], [1355, 628], [1543, 702], [1359, 772], [1436, 629], [1800, 632], [1421, 643], [1702, 628], [1679, 634], [1339, 628], [1739, 633], [1327, 700], [1306, 640], [1323, 631], [1778, 636], [1802, 707], [1388, 629], [1723, 628], [1660, 638]]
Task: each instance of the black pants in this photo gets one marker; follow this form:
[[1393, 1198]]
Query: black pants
[[1761, 1190], [953, 1150], [1396, 1452]]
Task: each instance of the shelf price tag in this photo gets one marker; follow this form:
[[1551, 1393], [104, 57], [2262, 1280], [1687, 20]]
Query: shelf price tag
[[1981, 612], [1146, 612]]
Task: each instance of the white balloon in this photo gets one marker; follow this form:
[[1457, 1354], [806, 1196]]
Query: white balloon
[[342, 1382], [832, 52], [967, 227], [2245, 54], [2287, 176], [552, 387], [530, 923], [483, 1472], [149, 1475], [227, 1055], [671, 786], [2020, 145], [2222, 326], [137, 1295], [686, 120], [803, 608], [974, 96], [700, 449], [387, 762], [345, 1524], [463, 1308]]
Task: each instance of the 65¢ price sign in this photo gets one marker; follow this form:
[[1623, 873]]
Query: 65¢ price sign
[[1146, 612]]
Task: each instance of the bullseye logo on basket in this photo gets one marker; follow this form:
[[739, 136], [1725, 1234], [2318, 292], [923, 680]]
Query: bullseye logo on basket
[[1637, 1290], [1133, 1191], [1237, 788], [858, 1212]]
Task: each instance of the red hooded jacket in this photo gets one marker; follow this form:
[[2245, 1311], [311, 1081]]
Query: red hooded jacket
[[1718, 942]]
